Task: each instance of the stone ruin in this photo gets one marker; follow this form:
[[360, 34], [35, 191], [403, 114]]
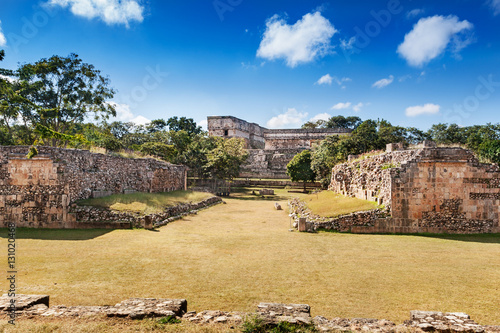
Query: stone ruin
[[41, 192], [269, 150], [428, 189], [269, 314]]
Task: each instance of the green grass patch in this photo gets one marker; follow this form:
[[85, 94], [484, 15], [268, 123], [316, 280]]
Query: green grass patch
[[330, 204], [145, 203]]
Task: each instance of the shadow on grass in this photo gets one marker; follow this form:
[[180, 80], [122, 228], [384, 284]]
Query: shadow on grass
[[475, 238], [56, 234]]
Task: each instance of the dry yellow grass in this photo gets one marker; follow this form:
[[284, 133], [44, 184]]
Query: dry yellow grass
[[106, 325], [233, 256], [146, 203], [330, 204]]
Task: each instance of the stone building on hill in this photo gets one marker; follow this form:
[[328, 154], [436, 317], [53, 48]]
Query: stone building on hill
[[270, 150]]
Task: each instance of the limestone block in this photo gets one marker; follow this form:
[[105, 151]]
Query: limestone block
[[138, 308], [23, 301]]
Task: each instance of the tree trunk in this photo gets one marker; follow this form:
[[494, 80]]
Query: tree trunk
[[305, 186]]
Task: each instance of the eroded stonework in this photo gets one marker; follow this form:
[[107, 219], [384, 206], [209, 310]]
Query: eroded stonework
[[427, 190], [38, 192]]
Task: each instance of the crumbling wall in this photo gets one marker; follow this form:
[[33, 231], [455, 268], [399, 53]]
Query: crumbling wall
[[232, 127], [267, 163], [446, 190], [427, 190], [369, 178], [38, 192], [298, 138]]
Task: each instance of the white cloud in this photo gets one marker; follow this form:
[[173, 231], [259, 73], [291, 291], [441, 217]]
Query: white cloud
[[495, 5], [325, 79], [430, 37], [414, 13], [3, 40], [383, 82], [340, 106], [348, 105], [418, 110], [404, 78], [124, 114], [203, 124], [347, 45], [288, 119], [322, 116], [306, 40], [140, 120], [357, 107], [110, 11], [7, 78]]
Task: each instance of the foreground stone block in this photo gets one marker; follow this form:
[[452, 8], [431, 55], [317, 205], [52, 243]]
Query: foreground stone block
[[23, 301], [273, 313], [138, 308], [266, 192], [220, 317], [430, 321]]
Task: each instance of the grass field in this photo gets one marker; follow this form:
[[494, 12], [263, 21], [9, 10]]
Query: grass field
[[233, 256], [330, 204], [145, 203]]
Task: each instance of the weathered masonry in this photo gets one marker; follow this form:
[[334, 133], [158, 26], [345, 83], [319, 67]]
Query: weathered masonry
[[427, 190], [39, 192], [270, 150]]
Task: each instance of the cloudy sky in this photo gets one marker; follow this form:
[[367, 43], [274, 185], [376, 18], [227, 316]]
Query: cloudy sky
[[277, 63]]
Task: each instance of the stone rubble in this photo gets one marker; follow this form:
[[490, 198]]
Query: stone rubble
[[23, 301], [30, 306], [139, 308], [343, 223]]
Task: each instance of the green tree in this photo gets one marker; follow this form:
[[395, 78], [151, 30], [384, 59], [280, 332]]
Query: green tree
[[183, 124], [156, 125], [195, 156], [62, 91], [164, 151], [299, 168], [225, 160], [324, 157], [343, 122], [314, 124]]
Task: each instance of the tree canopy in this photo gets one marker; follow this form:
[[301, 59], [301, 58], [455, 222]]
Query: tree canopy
[[299, 168], [56, 93]]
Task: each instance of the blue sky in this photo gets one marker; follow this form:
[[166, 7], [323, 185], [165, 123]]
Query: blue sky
[[277, 63]]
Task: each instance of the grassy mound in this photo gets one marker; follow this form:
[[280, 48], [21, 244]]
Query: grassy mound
[[145, 203], [330, 204]]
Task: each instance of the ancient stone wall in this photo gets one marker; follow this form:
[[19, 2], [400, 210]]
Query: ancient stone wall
[[232, 127], [369, 178], [269, 315], [298, 138], [38, 192], [269, 164], [427, 190], [446, 190]]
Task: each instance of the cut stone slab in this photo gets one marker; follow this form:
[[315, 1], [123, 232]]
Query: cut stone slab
[[23, 301], [277, 309], [138, 308]]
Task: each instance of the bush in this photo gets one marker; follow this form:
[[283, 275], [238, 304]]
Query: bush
[[256, 324], [169, 320]]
